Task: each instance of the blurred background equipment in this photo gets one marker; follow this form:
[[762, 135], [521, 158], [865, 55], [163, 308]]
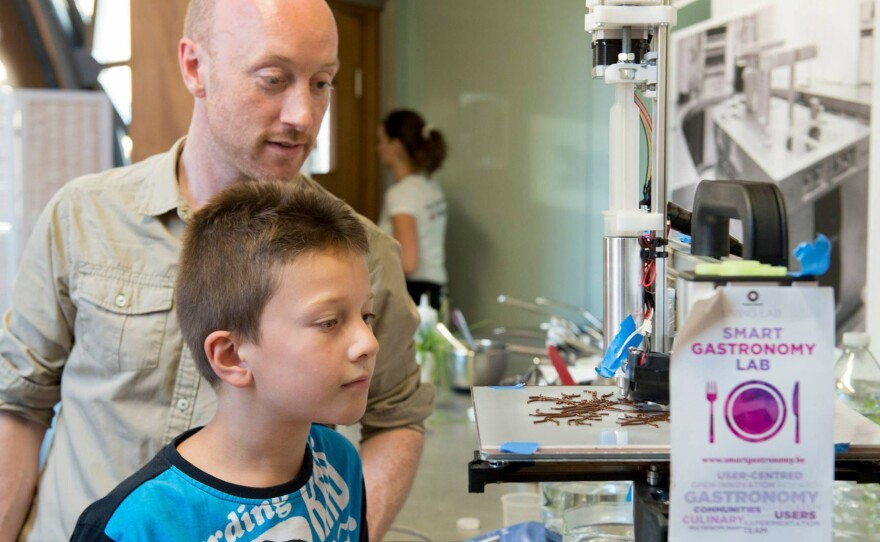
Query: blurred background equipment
[[73, 55], [47, 137], [750, 101]]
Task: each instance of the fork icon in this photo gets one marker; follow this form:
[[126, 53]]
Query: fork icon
[[711, 395]]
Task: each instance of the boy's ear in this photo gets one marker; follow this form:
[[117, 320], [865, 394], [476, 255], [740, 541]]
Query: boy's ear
[[221, 348]]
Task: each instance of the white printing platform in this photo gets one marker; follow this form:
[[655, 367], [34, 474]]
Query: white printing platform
[[503, 415]]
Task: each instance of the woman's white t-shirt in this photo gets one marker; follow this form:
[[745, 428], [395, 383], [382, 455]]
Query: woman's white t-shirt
[[422, 198]]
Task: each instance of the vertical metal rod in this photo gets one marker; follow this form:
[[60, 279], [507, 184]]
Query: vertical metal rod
[[791, 97], [623, 284], [625, 39], [658, 187]]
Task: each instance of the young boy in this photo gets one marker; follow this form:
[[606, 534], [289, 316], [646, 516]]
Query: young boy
[[275, 305]]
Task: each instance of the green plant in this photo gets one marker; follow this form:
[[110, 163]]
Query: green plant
[[429, 341]]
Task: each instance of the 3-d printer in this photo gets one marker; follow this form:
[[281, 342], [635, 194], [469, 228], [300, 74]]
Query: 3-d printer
[[630, 43]]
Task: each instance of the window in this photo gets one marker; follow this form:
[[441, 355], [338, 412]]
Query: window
[[320, 161], [111, 47]]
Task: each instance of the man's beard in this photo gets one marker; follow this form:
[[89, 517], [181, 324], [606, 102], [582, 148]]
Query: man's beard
[[255, 168]]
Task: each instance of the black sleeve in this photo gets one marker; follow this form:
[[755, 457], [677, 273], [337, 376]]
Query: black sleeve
[[93, 521], [365, 529], [89, 533]]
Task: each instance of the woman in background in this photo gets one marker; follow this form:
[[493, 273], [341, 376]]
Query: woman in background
[[414, 210]]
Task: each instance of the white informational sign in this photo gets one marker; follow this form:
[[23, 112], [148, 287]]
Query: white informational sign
[[752, 416]]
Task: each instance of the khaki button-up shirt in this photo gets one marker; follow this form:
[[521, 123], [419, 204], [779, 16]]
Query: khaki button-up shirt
[[93, 326]]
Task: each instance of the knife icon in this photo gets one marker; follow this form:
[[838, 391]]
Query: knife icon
[[796, 409]]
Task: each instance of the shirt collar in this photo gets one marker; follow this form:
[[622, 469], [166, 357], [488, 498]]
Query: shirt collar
[[161, 193]]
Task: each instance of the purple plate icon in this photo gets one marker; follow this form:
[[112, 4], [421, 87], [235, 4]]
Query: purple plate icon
[[755, 411]]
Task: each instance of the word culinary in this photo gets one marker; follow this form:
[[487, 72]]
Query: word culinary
[[594, 408]]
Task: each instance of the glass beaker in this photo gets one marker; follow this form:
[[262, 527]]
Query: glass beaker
[[604, 522], [557, 497]]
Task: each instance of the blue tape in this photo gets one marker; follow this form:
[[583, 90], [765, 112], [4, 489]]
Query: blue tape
[[523, 448], [617, 350], [530, 531], [514, 387], [841, 447], [815, 257], [684, 238]]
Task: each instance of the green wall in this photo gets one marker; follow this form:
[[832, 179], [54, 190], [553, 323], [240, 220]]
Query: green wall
[[695, 12], [508, 82]]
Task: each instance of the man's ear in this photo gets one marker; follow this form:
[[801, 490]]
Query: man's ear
[[221, 348], [192, 59]]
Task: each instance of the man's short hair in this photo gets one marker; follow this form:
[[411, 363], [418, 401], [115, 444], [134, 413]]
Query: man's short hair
[[198, 22], [235, 248]]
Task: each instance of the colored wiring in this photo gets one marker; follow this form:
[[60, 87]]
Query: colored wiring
[[649, 272], [649, 264], [647, 128], [644, 109]]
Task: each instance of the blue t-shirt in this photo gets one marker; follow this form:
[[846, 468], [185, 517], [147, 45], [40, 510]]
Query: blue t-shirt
[[170, 499]]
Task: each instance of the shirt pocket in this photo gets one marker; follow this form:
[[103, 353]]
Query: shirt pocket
[[122, 316]]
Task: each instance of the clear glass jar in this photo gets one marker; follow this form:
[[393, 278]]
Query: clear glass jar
[[857, 376], [857, 384], [856, 511], [558, 497]]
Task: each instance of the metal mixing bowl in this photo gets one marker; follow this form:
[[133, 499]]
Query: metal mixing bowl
[[483, 367]]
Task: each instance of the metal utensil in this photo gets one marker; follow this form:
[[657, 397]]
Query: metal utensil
[[572, 327], [591, 319], [796, 410], [531, 307], [514, 302], [457, 345], [520, 332], [711, 396], [461, 323]]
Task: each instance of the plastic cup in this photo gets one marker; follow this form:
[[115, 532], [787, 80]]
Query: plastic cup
[[520, 507], [604, 522]]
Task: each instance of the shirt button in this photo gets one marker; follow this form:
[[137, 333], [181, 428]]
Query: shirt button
[[182, 404], [121, 300]]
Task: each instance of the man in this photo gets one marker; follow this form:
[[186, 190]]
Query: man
[[92, 323]]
